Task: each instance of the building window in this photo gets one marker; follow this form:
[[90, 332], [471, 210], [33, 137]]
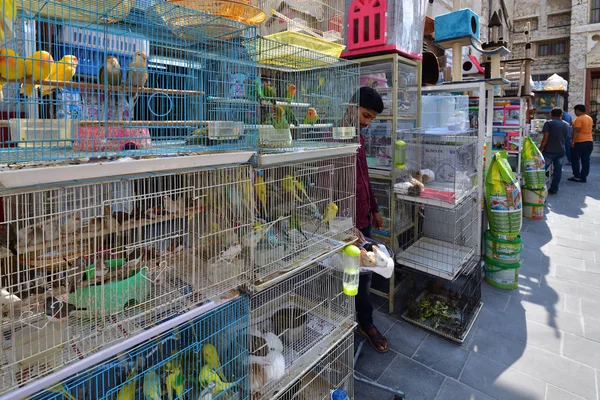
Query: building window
[[556, 48], [595, 12]]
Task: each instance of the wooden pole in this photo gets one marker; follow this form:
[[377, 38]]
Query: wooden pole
[[456, 62]]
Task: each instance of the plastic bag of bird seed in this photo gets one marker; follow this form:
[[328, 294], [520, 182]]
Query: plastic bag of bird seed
[[532, 161], [503, 199]]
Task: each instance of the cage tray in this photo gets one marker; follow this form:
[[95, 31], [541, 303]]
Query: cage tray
[[437, 202], [432, 256], [427, 326]]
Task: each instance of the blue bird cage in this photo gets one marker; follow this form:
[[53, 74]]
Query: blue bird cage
[[179, 363]]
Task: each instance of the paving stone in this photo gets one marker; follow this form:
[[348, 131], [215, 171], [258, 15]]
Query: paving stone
[[382, 321], [567, 261], [494, 300], [363, 391], [583, 350], [575, 244], [554, 393], [405, 338], [590, 307], [372, 363], [587, 278], [453, 390], [572, 304], [442, 355], [568, 287], [500, 382], [593, 267], [415, 380], [592, 329], [546, 314]]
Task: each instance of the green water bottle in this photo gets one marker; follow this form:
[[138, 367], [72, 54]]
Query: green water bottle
[[400, 150], [351, 263]]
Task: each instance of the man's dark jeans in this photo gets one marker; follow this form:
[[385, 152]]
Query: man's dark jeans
[[364, 308], [582, 151], [556, 160]]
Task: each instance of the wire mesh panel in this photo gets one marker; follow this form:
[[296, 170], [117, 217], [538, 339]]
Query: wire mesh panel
[[86, 265], [440, 169], [111, 78], [447, 308], [306, 98], [439, 241], [295, 323], [305, 210], [334, 371], [207, 356]]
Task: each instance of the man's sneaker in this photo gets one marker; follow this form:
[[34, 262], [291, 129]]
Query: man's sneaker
[[552, 191]]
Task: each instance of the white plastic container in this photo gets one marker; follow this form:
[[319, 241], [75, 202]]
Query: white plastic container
[[43, 132], [443, 114]]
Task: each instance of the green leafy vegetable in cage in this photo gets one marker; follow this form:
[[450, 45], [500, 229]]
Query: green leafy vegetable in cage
[[532, 161], [503, 198]]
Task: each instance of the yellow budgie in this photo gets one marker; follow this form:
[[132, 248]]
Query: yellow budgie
[[330, 213], [211, 358], [261, 192], [208, 374], [9, 14], [174, 380], [127, 392], [152, 390], [12, 66], [300, 187], [288, 186], [62, 71], [37, 69]]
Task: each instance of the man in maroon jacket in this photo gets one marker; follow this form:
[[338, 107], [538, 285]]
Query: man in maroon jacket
[[367, 216]]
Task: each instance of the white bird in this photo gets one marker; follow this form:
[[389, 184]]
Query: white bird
[[71, 225], [174, 206], [207, 393], [7, 298], [232, 252]]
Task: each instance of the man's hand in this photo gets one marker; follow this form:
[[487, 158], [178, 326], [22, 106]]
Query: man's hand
[[377, 221], [360, 236], [572, 144]]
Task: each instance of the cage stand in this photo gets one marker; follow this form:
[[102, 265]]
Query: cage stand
[[398, 395]]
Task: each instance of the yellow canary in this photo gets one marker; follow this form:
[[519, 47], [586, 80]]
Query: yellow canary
[[12, 66], [261, 192], [37, 69], [62, 71], [9, 14]]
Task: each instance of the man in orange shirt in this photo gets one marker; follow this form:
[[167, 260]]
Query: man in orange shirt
[[582, 145]]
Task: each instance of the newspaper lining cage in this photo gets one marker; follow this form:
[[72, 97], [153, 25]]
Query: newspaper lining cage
[[307, 99], [304, 211], [440, 169], [122, 78], [107, 260], [448, 308], [334, 371], [437, 240], [295, 323], [207, 355]]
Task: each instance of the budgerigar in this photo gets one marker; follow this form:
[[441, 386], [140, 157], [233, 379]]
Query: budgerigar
[[175, 380], [289, 186], [9, 14], [208, 374], [110, 72], [12, 66], [37, 69], [261, 192], [127, 392], [152, 386], [137, 74], [279, 119], [211, 358], [330, 213], [62, 71], [311, 116]]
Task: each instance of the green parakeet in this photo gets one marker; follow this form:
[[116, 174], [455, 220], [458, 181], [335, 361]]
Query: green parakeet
[[174, 381], [207, 375], [311, 116], [268, 90], [279, 119], [290, 92], [211, 358]]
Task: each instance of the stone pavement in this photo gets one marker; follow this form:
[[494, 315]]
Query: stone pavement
[[538, 342]]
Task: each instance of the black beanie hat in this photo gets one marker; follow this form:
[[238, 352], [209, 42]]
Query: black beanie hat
[[369, 98]]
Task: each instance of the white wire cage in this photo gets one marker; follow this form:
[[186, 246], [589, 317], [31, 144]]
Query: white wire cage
[[333, 372], [295, 323], [88, 264], [440, 169], [437, 240], [305, 211]]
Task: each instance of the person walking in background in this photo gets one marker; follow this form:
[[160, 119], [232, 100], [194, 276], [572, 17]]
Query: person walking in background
[[553, 145], [582, 145], [569, 120]]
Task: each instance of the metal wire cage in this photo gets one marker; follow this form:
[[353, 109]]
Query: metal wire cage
[[437, 240], [448, 308], [306, 314], [305, 211], [86, 265], [89, 79], [180, 363], [440, 169], [307, 99], [334, 371]]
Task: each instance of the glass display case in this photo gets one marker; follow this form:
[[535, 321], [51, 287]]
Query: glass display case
[[546, 100]]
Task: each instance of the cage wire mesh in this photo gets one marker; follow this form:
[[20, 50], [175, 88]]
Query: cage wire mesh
[[293, 324], [86, 265], [180, 363], [440, 169], [307, 99], [87, 79], [304, 211], [447, 308], [437, 240], [333, 371]]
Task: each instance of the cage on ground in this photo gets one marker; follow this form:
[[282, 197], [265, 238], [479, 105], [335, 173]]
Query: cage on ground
[[85, 265], [332, 372], [122, 78], [447, 307], [307, 99], [439, 169], [437, 240], [304, 211], [295, 323], [207, 355]]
